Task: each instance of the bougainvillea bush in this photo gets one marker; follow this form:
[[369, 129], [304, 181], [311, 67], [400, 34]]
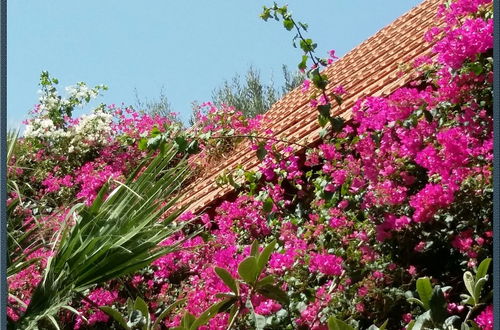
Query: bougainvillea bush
[[387, 223]]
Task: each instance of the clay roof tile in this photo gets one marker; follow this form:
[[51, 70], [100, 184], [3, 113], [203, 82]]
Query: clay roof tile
[[369, 69]]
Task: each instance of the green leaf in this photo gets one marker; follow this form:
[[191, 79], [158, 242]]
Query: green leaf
[[181, 143], [416, 301], [428, 116], [130, 305], [228, 280], [452, 322], [469, 283], [269, 279], [323, 120], [119, 238], [135, 319], [322, 61], [263, 259], [464, 326], [288, 24], [54, 322], [154, 142], [476, 67], [337, 124], [188, 320], [166, 312], [248, 269], [307, 45], [155, 131], [422, 321], [268, 205], [424, 289], [473, 325], [275, 293], [319, 80], [338, 99], [478, 287], [336, 324], [254, 249], [384, 325], [260, 321], [233, 314], [303, 62], [143, 144], [324, 109], [438, 305], [162, 146], [194, 147], [224, 295], [231, 181], [116, 315], [466, 299], [266, 14], [482, 269], [141, 305], [211, 312], [74, 311], [261, 151]]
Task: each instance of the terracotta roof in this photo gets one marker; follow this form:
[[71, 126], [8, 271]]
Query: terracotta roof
[[370, 69]]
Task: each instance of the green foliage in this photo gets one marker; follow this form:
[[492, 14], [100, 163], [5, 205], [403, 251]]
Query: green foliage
[[308, 47], [138, 315], [18, 235], [183, 141], [475, 284], [117, 235], [251, 96], [336, 324], [160, 106], [250, 270], [433, 302]]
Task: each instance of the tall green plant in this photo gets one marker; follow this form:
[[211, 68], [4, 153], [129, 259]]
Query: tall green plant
[[117, 235], [250, 95], [18, 237], [160, 106]]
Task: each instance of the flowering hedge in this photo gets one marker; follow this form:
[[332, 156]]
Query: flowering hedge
[[400, 199]]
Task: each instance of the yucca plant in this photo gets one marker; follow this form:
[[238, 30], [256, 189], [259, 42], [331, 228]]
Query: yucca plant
[[18, 237], [117, 235]]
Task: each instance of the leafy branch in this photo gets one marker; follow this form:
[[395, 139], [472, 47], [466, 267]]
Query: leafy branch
[[308, 46]]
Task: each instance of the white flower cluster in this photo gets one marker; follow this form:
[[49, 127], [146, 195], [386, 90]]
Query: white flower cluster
[[94, 128], [91, 130], [77, 95], [82, 91], [50, 101], [44, 128]]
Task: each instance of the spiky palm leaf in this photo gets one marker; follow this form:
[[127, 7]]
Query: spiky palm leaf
[[18, 237], [116, 235]]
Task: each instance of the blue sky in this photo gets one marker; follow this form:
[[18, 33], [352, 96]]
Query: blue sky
[[188, 48]]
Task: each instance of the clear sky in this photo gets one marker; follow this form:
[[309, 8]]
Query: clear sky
[[187, 47]]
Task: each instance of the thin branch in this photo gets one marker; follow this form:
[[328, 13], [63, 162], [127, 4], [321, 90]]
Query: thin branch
[[259, 137]]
